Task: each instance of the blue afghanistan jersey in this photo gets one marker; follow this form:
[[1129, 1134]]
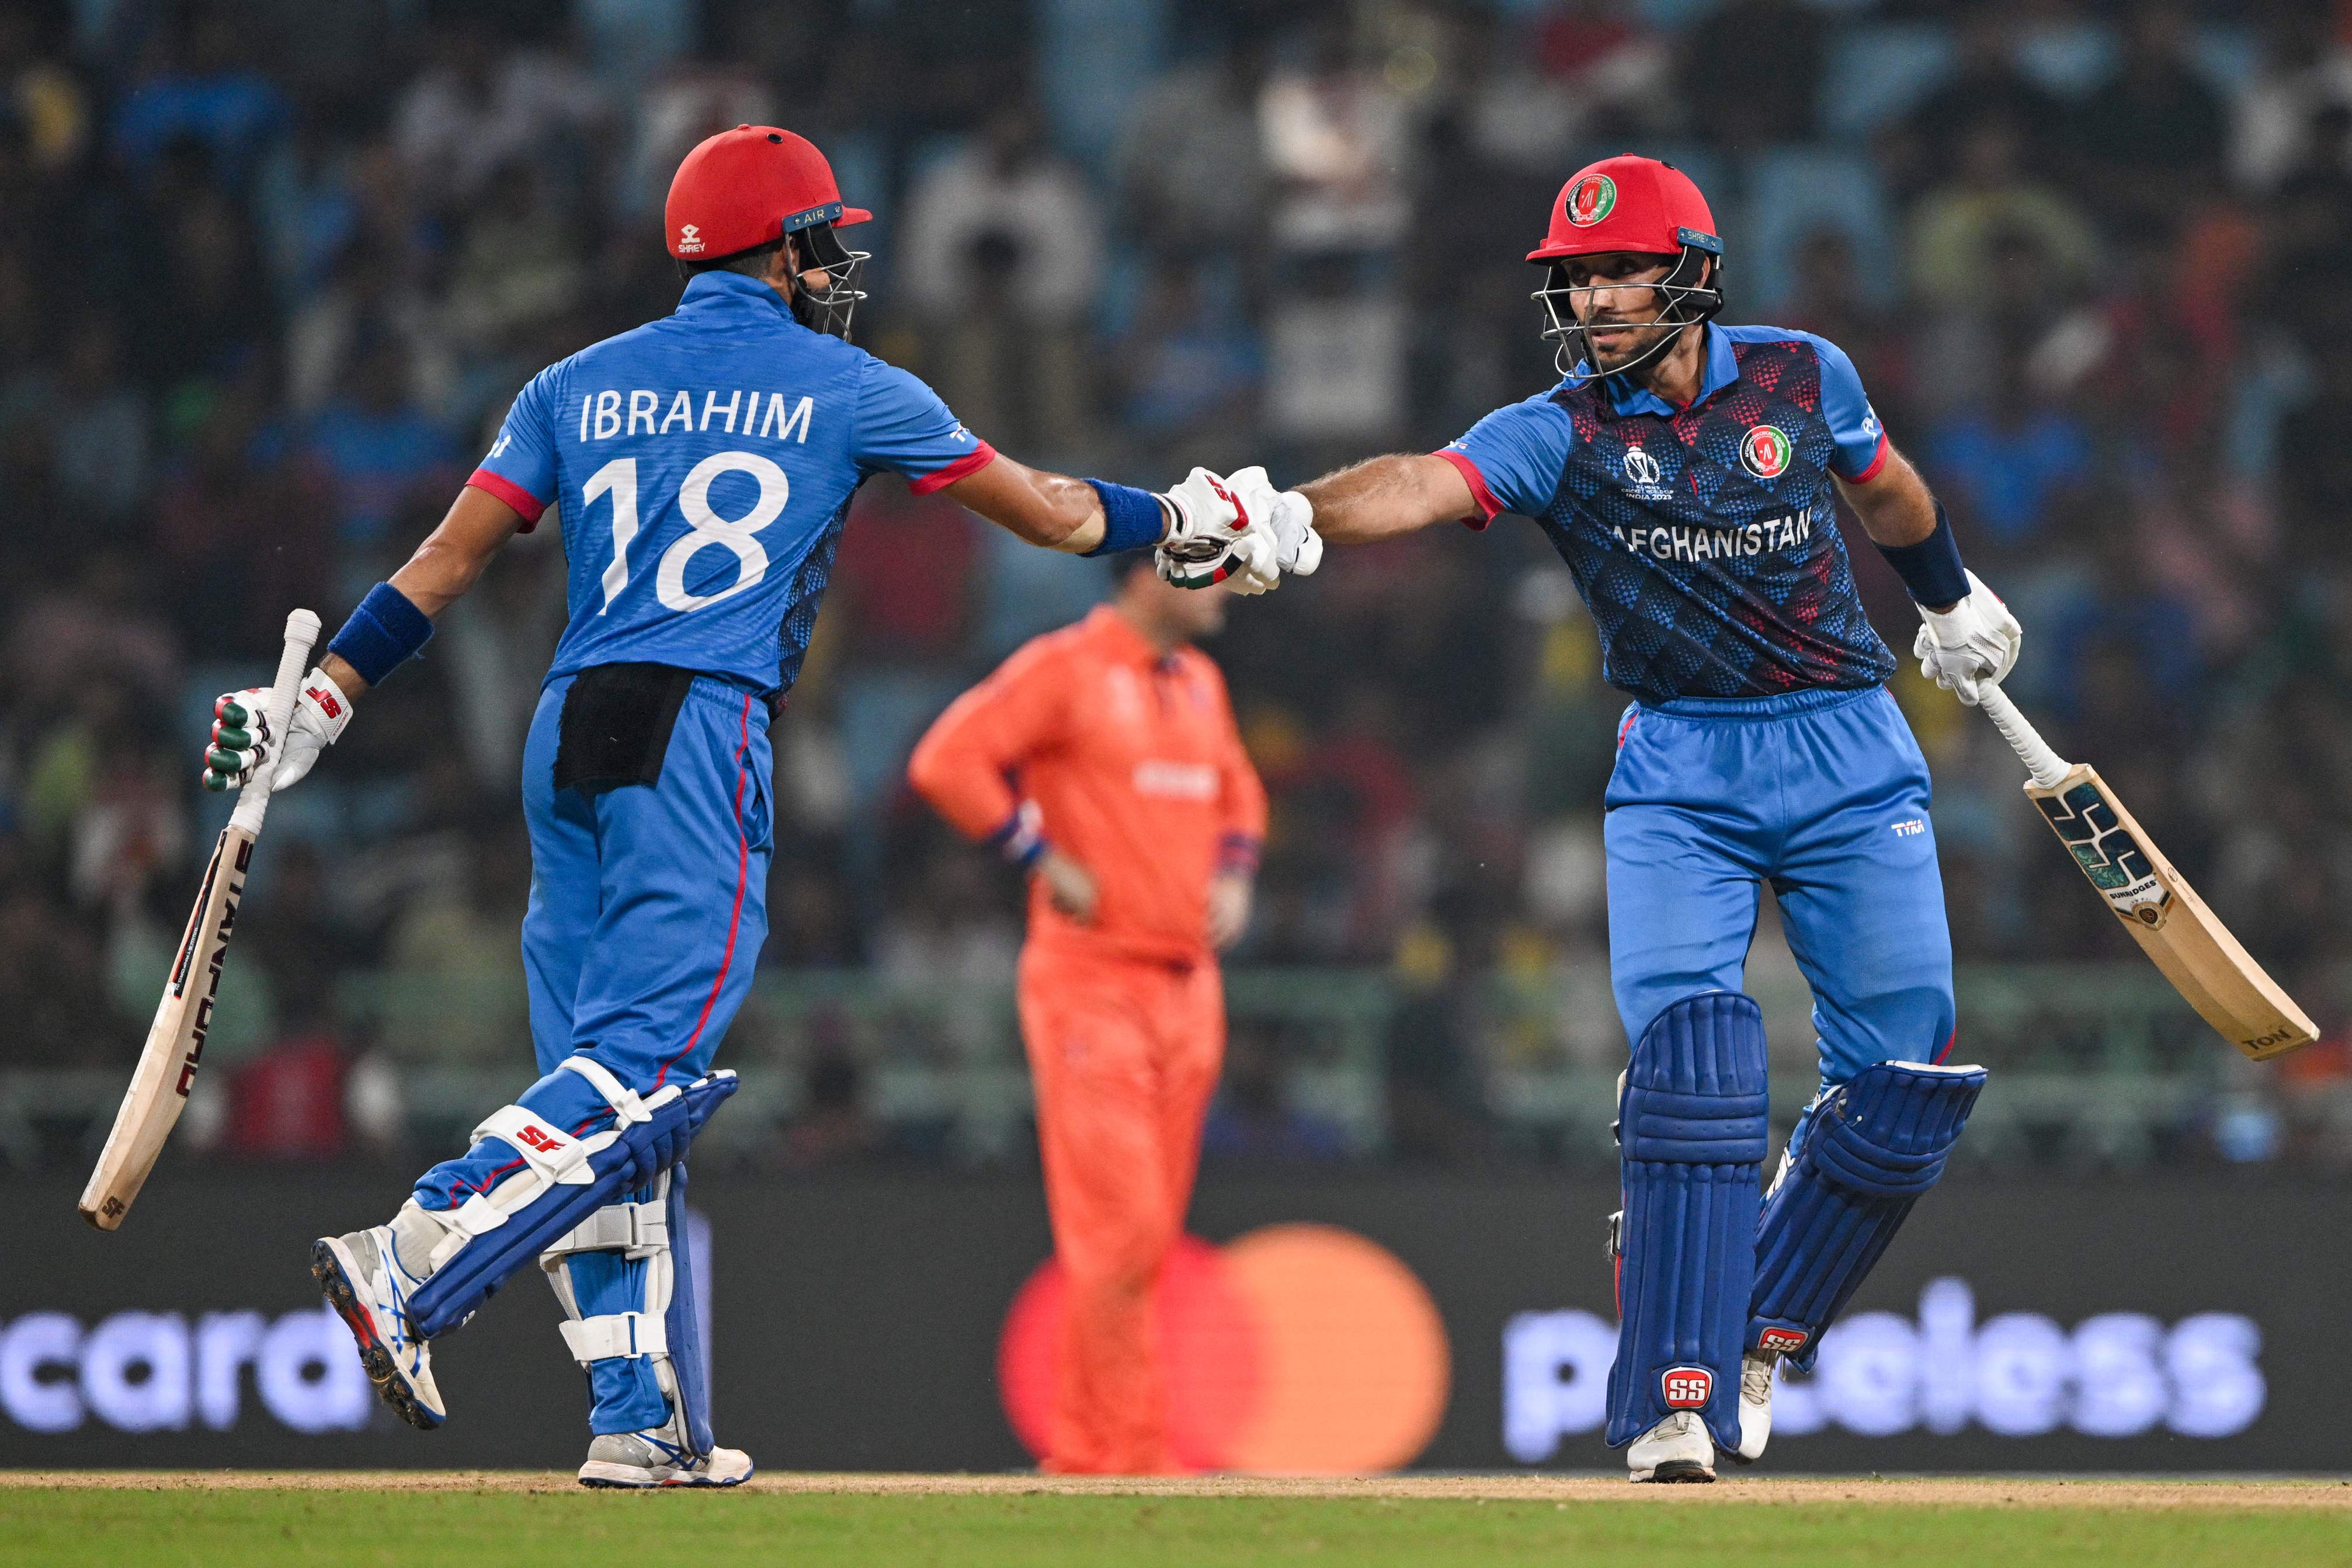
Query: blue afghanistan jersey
[[703, 464], [1705, 539]]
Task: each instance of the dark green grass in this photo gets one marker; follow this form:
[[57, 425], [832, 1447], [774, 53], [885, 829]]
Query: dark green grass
[[259, 1529]]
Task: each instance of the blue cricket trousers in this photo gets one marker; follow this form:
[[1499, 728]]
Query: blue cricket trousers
[[649, 909], [1821, 794]]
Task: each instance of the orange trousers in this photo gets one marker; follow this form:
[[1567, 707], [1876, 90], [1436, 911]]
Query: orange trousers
[[1125, 1055]]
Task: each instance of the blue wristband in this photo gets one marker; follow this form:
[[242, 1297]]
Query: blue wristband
[[1931, 568], [1021, 839], [1131, 518], [382, 633]]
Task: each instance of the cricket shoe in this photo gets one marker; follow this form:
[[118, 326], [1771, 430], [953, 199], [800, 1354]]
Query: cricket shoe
[[1756, 1370], [657, 1458], [1677, 1449], [364, 1282]]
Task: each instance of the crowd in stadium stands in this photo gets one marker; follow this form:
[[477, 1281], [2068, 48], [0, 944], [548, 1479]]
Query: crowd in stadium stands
[[270, 271]]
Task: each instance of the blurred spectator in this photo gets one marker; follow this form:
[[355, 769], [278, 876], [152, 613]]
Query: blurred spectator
[[2304, 71], [2154, 135], [1252, 1119], [1336, 139], [1192, 366], [1747, 75], [1985, 84], [1961, 226], [1002, 256], [379, 455], [455, 981], [1191, 170], [47, 99], [483, 104], [2008, 460], [197, 81], [287, 1103]]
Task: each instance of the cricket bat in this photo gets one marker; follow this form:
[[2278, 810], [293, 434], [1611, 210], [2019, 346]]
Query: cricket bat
[[176, 1040], [2171, 924]]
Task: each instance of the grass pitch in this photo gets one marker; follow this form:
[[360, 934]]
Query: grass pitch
[[133, 1520]]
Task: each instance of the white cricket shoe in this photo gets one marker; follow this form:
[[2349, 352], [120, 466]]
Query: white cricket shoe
[[364, 1282], [660, 1458], [1677, 1449], [1756, 1370]]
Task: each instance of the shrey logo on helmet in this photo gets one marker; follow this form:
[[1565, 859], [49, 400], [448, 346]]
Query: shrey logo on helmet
[[1591, 199], [689, 240], [1765, 452]]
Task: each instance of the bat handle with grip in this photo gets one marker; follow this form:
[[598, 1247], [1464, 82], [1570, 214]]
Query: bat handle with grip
[[2049, 769], [293, 661]]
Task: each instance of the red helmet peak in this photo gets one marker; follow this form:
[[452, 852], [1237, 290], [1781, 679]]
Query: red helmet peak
[[746, 186], [1628, 204]]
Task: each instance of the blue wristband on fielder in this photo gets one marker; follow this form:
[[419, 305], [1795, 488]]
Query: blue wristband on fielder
[[384, 633], [1131, 518], [1023, 838], [1931, 568]]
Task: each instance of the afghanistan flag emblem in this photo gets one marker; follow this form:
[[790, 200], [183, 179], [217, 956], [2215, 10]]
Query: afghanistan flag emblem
[[1590, 199], [1765, 452]]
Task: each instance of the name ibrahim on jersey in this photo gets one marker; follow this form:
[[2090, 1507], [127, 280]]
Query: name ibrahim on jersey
[[1689, 474], [703, 464]]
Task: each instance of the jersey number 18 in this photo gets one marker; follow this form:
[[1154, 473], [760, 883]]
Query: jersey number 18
[[705, 526]]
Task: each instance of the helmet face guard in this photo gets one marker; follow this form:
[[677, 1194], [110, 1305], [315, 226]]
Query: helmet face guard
[[1691, 293], [817, 248]]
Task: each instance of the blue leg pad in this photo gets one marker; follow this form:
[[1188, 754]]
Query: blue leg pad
[[1861, 1156], [689, 1364], [1692, 1129], [624, 1391], [598, 1166]]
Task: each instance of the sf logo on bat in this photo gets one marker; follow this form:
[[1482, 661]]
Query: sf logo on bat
[[2108, 854]]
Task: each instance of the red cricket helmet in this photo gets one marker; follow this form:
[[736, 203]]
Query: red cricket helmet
[[1637, 207], [749, 186], [1628, 204]]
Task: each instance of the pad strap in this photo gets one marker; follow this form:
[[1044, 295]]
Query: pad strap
[[557, 1159], [616, 1335], [638, 1230], [622, 1099]]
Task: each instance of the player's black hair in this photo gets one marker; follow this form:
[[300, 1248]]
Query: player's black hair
[[751, 262]]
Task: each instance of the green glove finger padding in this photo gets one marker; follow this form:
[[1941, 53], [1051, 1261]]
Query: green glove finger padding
[[229, 737]]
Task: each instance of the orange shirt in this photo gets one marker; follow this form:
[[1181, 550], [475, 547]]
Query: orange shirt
[[1135, 766]]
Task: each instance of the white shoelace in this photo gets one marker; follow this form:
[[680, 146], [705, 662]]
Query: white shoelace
[[1756, 1377]]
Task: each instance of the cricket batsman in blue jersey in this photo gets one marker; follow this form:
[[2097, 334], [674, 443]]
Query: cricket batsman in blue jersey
[[703, 466], [1689, 472]]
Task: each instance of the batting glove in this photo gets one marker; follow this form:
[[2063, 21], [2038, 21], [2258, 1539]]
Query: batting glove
[[1974, 641], [1211, 535], [242, 739]]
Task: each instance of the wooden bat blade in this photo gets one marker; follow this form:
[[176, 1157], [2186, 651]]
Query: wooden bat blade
[[175, 1040], [2189, 944]]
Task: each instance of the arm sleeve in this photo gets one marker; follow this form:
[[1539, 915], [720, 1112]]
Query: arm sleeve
[[904, 427], [964, 764], [1853, 423], [1240, 802], [520, 467], [1513, 458]]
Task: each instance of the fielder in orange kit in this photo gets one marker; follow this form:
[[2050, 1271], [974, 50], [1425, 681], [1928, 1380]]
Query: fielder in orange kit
[[1104, 757]]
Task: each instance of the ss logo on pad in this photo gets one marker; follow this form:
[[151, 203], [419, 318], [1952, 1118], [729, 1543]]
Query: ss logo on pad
[[1686, 1388]]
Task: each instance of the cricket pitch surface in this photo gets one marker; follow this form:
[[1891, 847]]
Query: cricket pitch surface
[[409, 1519]]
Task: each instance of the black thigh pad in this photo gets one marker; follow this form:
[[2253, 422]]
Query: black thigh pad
[[617, 723]]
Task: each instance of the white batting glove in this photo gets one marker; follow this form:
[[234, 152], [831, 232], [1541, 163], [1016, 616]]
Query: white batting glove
[[1204, 517], [241, 739], [1289, 520], [1973, 642]]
